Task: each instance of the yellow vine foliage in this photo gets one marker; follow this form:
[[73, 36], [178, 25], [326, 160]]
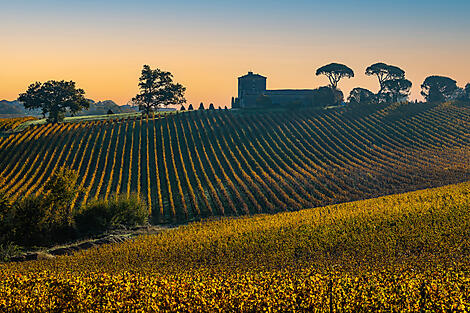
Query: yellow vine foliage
[[400, 253]]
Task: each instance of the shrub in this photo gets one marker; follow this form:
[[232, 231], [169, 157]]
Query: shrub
[[28, 222], [58, 195], [362, 96], [5, 212], [8, 250], [41, 219], [324, 96], [101, 215]]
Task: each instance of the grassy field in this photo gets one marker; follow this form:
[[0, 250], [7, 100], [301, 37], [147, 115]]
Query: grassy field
[[230, 163], [399, 253]]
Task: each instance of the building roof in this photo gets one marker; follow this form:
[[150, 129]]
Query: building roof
[[289, 92], [251, 75]]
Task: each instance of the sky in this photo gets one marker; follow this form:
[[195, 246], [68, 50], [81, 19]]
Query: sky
[[207, 44]]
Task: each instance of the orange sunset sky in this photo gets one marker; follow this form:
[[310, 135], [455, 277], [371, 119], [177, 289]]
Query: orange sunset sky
[[102, 45]]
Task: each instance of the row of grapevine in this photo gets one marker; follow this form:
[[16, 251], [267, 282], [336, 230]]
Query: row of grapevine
[[198, 164], [10, 124]]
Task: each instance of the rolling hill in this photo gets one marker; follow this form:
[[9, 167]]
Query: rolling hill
[[215, 162], [16, 109], [399, 253]]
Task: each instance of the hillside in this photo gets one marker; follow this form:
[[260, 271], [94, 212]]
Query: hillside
[[15, 108], [10, 124], [400, 253], [211, 163], [102, 107]]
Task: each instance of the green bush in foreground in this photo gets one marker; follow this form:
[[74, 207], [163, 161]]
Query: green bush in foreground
[[44, 218], [47, 218], [101, 215]]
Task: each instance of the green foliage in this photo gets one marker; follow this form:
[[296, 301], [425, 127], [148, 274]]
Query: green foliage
[[47, 218], [58, 194], [385, 72], [397, 89], [44, 218], [201, 106], [8, 250], [326, 95], [157, 89], [101, 215], [54, 98], [335, 72], [5, 209], [438, 88], [30, 222], [244, 161], [361, 96]]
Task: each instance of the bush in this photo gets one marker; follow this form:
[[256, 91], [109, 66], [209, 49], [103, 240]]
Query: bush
[[7, 251], [101, 215], [325, 96], [47, 218], [41, 219], [28, 222], [5, 213], [58, 194], [36, 221]]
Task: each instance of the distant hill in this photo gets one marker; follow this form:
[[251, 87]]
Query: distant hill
[[16, 109], [102, 107]]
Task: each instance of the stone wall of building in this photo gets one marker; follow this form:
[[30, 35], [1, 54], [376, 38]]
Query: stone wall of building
[[252, 86]]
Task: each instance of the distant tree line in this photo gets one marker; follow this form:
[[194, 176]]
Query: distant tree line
[[157, 89], [394, 87], [56, 98]]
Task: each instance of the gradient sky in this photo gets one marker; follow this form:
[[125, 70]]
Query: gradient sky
[[102, 45]]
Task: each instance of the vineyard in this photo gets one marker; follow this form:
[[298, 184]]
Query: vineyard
[[9, 124], [399, 253], [199, 164]]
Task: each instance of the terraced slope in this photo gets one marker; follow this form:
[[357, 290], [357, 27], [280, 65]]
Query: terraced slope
[[199, 164]]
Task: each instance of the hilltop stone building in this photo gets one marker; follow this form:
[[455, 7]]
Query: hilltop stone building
[[251, 88]]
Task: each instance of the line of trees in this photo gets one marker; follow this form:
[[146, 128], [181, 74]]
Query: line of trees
[[394, 87], [157, 89], [55, 98]]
